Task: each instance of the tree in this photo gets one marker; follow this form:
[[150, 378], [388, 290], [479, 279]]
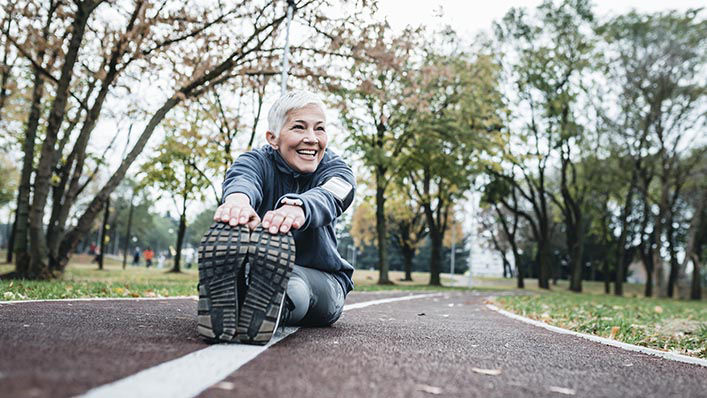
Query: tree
[[407, 219], [548, 53], [177, 40], [656, 62], [458, 128], [503, 199], [175, 170], [373, 100]]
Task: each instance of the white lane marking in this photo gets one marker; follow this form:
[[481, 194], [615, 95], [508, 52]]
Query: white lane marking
[[388, 300], [193, 373], [630, 347], [99, 299]]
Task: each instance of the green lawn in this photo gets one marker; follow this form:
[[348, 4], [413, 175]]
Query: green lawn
[[83, 279], [664, 324]]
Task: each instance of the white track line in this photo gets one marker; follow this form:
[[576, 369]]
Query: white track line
[[630, 347], [98, 299], [193, 373]]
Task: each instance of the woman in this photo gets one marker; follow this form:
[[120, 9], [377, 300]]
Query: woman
[[278, 214]]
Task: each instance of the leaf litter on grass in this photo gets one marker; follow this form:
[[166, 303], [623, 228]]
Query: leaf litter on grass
[[657, 323]]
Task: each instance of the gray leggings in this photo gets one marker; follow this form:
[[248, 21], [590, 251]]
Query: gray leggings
[[317, 295]]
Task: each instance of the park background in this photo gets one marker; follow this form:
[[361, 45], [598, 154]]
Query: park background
[[563, 141]]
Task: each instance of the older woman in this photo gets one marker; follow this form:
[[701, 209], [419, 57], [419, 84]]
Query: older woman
[[271, 255]]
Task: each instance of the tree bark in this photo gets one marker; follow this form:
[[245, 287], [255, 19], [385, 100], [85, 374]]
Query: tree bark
[[104, 230], [38, 265], [577, 251], [180, 242], [21, 242], [381, 230], [11, 238], [696, 291], [126, 246], [408, 255], [621, 245], [684, 289], [435, 255]]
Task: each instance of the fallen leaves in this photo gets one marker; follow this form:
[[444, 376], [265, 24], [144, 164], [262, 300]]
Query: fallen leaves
[[614, 331], [13, 296], [428, 389], [658, 309], [488, 372]]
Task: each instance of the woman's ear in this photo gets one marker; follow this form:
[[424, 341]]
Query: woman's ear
[[272, 140]]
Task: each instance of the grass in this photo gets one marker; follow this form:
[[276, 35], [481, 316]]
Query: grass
[[663, 324], [83, 279]]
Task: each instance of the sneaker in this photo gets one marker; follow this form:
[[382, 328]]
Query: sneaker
[[272, 258], [222, 254]]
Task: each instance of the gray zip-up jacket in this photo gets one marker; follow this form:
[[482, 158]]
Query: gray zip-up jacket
[[266, 178]]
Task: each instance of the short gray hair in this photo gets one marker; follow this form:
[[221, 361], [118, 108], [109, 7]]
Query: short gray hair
[[290, 100]]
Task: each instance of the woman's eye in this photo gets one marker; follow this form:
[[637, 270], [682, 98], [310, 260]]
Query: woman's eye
[[297, 127]]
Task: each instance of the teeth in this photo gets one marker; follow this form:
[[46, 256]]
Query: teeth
[[305, 152]]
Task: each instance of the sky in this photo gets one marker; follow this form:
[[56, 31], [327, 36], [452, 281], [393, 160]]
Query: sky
[[468, 17]]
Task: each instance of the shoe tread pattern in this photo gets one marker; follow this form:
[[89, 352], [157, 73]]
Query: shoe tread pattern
[[222, 253], [272, 258]]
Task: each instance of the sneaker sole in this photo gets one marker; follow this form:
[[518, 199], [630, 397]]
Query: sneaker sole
[[222, 253], [272, 258]]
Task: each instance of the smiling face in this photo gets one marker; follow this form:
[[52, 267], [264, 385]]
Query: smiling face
[[302, 138]]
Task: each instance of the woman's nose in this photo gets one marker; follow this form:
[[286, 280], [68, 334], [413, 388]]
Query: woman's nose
[[310, 136]]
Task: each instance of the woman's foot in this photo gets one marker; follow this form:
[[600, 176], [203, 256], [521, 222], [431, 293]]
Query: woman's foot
[[271, 258], [222, 254]]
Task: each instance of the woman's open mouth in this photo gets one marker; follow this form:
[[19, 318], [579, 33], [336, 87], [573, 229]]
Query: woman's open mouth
[[309, 154]]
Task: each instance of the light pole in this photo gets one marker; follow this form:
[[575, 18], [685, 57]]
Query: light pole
[[454, 243], [285, 65]]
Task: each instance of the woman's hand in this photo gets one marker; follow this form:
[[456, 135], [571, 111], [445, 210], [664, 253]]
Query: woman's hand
[[236, 210], [283, 219]]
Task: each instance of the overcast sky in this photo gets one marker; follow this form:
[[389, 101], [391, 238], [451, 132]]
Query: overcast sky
[[469, 17]]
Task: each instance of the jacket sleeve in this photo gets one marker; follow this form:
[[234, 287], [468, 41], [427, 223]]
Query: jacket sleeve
[[332, 195], [246, 175]]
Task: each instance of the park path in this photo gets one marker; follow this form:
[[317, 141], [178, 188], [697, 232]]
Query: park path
[[445, 345]]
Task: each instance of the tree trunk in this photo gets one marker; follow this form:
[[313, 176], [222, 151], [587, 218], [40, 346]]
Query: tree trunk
[[658, 228], [126, 246], [576, 253], [520, 272], [648, 291], [696, 291], [39, 266], [673, 274], [180, 241], [104, 228], [381, 229], [543, 259], [684, 289], [647, 258], [621, 245], [11, 238], [408, 254], [21, 243], [607, 284], [435, 255]]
